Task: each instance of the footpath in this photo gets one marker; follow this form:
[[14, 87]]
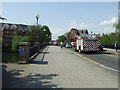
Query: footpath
[[112, 50], [58, 68]]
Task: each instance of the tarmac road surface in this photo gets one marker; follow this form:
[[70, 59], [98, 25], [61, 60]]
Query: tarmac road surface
[[107, 58]]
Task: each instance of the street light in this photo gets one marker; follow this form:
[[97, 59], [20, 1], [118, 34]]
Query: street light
[[46, 35], [44, 30], [37, 17]]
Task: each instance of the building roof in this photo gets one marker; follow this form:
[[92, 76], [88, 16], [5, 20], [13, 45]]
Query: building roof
[[83, 31], [20, 27], [76, 31]]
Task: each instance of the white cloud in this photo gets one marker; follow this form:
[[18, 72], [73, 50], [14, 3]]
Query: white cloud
[[85, 26], [108, 29], [104, 27], [57, 32], [73, 24], [107, 22]]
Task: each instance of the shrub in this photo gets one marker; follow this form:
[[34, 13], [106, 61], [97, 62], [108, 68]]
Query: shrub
[[17, 39], [26, 39], [15, 43]]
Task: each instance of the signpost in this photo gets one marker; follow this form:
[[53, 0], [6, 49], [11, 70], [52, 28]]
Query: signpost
[[22, 51]]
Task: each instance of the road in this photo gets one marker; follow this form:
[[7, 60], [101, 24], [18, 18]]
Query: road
[[105, 58], [59, 68]]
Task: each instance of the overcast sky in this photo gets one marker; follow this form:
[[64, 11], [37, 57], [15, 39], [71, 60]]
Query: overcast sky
[[60, 17]]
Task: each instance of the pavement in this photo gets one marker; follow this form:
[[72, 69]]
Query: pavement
[[112, 50], [58, 68]]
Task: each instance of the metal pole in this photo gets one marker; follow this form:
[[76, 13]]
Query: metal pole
[[37, 29], [37, 17]]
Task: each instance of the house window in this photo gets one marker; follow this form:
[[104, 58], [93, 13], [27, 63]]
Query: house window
[[21, 32], [14, 27], [6, 32], [25, 29], [15, 33], [10, 32], [6, 26], [71, 33], [6, 44], [6, 36], [11, 36]]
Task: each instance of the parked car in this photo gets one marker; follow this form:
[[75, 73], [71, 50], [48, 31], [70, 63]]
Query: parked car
[[72, 43], [58, 44], [64, 44], [68, 45]]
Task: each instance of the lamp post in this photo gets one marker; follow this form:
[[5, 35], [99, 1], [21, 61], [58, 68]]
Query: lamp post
[[37, 17], [44, 30]]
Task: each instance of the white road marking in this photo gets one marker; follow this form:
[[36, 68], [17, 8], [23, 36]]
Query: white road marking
[[93, 61], [109, 68]]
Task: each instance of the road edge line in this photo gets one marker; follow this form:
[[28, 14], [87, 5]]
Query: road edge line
[[92, 61], [83, 57]]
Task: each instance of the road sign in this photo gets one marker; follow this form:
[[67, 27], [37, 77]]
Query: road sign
[[22, 51]]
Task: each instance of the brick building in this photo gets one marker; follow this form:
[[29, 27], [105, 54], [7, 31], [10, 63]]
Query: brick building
[[74, 32], [9, 30]]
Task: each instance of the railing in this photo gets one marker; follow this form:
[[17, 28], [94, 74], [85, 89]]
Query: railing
[[42, 46], [27, 52], [110, 46], [33, 50]]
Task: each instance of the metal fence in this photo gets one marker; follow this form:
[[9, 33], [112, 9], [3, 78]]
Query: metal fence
[[42, 45], [34, 49], [110, 46]]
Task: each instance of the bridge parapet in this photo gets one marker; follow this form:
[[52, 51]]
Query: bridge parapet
[[26, 52]]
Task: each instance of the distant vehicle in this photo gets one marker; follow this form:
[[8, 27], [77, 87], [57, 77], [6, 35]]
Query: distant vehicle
[[54, 43], [64, 44], [58, 44], [68, 45], [72, 43]]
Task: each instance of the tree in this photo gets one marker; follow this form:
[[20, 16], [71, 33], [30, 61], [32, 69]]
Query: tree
[[35, 32], [40, 33], [17, 39], [47, 33], [91, 32], [117, 26], [62, 38], [27, 38], [117, 30], [109, 39]]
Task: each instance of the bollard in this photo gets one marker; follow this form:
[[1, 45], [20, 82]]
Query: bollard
[[24, 52], [38, 45]]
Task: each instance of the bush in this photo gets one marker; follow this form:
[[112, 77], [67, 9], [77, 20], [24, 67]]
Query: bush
[[17, 39], [110, 39], [26, 39], [15, 43]]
